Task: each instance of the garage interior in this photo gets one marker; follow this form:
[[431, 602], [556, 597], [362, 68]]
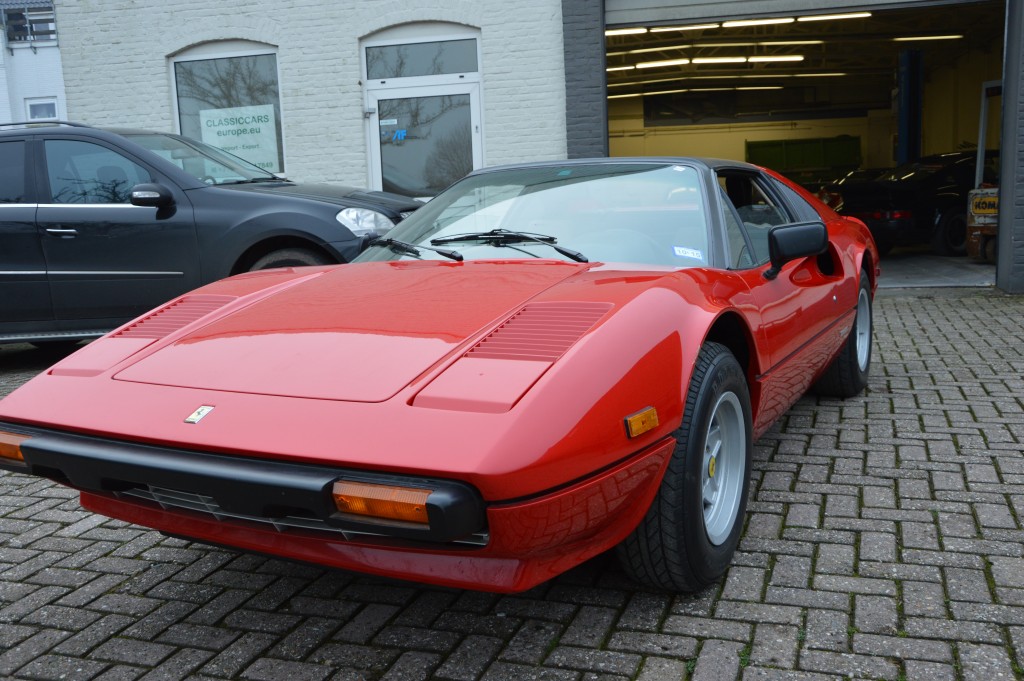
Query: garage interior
[[810, 95]]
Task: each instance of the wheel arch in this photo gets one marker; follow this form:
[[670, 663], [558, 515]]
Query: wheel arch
[[731, 330], [261, 248]]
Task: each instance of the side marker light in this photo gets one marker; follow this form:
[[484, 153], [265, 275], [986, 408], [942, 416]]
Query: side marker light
[[10, 445], [639, 423], [383, 502]]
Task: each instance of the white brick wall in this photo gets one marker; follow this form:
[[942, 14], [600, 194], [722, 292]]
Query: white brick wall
[[117, 69], [32, 74]]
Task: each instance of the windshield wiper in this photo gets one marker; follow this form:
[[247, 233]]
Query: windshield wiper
[[414, 249], [508, 236], [257, 179]]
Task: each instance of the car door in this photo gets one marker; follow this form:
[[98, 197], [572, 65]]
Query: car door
[[24, 292], [107, 260], [798, 307]]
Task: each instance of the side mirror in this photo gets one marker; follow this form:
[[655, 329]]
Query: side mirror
[[792, 241], [151, 195]]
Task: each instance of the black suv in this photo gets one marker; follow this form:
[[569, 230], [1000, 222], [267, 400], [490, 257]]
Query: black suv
[[98, 226]]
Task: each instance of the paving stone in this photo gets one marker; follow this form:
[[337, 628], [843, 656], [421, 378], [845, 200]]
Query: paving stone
[[775, 646], [985, 662], [718, 661], [531, 643], [827, 630], [587, 659], [470, 659], [644, 611], [266, 669], [665, 645]]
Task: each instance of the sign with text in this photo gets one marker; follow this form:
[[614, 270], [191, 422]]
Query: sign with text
[[246, 131]]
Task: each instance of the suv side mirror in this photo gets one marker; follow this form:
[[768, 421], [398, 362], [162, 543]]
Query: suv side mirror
[[792, 241], [152, 195]]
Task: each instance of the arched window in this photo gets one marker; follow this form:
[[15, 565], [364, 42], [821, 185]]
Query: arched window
[[227, 95]]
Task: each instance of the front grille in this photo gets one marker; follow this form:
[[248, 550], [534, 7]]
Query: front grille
[[170, 499]]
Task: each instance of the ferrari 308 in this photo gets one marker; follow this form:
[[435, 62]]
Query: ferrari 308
[[545, 362]]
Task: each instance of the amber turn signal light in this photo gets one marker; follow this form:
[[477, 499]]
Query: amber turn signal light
[[10, 445], [382, 502], [644, 420]]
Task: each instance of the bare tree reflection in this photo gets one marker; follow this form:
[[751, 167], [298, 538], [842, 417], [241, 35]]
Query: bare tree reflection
[[451, 158]]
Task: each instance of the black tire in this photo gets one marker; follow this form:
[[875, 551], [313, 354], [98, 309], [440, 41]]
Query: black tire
[[290, 257], [847, 376], [677, 546], [951, 234], [990, 251]]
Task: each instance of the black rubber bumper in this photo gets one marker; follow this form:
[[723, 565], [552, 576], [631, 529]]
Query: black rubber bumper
[[254, 487]]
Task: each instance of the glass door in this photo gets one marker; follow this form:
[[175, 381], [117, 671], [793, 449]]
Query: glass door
[[422, 139]]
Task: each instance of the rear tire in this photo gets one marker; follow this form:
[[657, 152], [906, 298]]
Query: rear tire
[[951, 234], [290, 257], [690, 533], [847, 376]]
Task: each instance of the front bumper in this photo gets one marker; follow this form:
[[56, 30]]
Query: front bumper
[[285, 509]]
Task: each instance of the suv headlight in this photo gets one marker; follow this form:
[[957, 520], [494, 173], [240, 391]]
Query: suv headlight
[[362, 221]]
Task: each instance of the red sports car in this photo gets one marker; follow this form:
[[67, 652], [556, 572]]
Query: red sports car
[[543, 363]]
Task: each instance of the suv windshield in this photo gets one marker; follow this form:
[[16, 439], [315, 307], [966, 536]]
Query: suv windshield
[[204, 162], [647, 213]]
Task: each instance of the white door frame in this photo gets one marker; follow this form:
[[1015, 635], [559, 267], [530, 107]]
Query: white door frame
[[373, 96]]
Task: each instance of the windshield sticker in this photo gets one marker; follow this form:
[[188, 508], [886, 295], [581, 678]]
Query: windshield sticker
[[682, 252]]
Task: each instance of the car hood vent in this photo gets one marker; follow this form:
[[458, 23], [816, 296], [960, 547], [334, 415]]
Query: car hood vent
[[174, 316], [540, 331]]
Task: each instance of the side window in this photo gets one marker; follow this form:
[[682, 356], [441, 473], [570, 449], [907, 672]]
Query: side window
[[802, 209], [757, 212], [83, 172], [740, 254], [12, 172]]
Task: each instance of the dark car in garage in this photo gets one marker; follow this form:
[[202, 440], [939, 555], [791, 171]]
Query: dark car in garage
[[921, 202], [98, 226]]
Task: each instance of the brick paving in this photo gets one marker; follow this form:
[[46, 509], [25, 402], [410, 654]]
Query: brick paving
[[883, 541]]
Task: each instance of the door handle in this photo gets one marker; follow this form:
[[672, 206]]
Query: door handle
[[62, 232]]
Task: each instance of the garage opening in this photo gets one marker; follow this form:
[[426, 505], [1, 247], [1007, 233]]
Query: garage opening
[[830, 98]]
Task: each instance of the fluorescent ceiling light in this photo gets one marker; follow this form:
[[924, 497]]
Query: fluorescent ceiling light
[[699, 45], [659, 64], [760, 87], [757, 22], [664, 92], [712, 89], [625, 31], [766, 43], [649, 81], [695, 27], [830, 17], [635, 94], [780, 57], [620, 68], [650, 49], [926, 37], [719, 60]]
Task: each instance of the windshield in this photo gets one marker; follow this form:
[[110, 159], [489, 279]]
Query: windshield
[[648, 213], [204, 162]]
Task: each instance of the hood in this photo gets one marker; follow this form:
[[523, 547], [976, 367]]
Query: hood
[[337, 194], [358, 332]]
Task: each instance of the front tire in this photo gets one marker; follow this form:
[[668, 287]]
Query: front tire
[[690, 533], [289, 257]]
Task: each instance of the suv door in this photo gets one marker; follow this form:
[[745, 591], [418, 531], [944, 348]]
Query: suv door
[[24, 292], [108, 260]]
